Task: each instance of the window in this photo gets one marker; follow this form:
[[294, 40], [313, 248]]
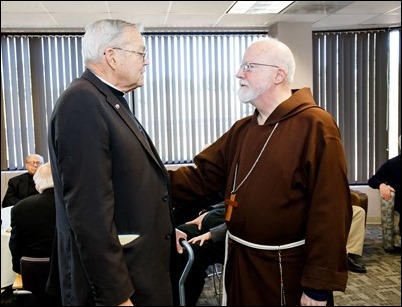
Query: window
[[188, 100], [189, 97], [354, 81]]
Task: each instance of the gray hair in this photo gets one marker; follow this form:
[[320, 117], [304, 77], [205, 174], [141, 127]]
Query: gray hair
[[100, 35], [43, 177]]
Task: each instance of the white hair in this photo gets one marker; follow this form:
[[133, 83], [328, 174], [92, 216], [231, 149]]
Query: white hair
[[100, 35], [43, 177]]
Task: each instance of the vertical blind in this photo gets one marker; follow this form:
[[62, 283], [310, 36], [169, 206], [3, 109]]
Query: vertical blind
[[189, 96], [188, 100], [351, 81]]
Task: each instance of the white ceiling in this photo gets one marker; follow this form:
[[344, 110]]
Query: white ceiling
[[72, 16]]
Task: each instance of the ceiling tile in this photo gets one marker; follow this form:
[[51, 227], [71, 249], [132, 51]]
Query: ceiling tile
[[191, 20], [139, 7], [316, 7], [155, 15], [21, 7], [367, 7], [75, 6], [200, 7], [334, 21]]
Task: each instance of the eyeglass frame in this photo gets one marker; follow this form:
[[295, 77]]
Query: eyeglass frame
[[143, 54], [245, 67], [34, 163]]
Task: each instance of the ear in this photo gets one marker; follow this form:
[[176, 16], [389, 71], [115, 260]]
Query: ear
[[110, 57], [280, 76]]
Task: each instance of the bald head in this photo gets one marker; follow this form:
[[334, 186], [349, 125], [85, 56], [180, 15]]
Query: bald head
[[272, 51], [32, 162]]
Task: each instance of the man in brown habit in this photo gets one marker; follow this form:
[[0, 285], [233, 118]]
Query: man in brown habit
[[284, 174]]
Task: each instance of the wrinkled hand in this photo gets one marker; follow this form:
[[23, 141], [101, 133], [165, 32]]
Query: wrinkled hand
[[308, 301], [180, 235], [198, 220], [385, 191], [202, 238]]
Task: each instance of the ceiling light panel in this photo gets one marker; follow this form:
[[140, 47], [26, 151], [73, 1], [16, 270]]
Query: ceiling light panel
[[259, 7]]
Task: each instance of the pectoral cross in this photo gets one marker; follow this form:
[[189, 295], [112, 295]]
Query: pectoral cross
[[230, 203]]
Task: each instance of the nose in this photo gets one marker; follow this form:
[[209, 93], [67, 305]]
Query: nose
[[240, 73]]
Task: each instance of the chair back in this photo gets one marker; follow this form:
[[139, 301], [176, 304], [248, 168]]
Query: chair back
[[34, 273], [359, 199]]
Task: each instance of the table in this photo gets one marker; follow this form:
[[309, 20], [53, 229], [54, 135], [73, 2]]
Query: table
[[7, 273]]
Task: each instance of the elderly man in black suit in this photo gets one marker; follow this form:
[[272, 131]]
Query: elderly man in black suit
[[22, 186], [33, 220], [115, 229]]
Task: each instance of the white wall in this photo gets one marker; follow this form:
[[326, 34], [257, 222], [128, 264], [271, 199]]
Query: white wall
[[374, 203], [298, 37]]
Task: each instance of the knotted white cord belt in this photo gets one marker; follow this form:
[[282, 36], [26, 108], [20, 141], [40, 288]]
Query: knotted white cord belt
[[261, 247]]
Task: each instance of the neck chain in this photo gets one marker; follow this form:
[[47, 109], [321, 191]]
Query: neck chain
[[234, 190], [231, 202]]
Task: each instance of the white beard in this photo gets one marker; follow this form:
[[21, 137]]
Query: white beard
[[246, 95]]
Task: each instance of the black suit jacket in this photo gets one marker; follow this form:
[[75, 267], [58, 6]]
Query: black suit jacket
[[108, 181], [19, 187], [32, 227]]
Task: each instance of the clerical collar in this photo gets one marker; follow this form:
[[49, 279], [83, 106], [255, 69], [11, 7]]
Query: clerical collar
[[114, 89]]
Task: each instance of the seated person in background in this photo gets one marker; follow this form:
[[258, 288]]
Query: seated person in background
[[22, 186], [33, 221], [206, 235], [388, 179], [355, 243]]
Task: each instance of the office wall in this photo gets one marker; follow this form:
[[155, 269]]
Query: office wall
[[298, 36], [374, 203]]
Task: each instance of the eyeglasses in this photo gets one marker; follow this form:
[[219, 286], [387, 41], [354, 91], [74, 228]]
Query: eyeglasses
[[143, 54], [35, 163], [248, 66]]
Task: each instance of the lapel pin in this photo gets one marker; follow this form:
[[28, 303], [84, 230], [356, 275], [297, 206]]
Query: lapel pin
[[117, 106]]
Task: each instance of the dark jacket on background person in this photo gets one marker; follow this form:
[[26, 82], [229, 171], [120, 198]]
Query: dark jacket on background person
[[32, 227], [19, 187], [390, 174]]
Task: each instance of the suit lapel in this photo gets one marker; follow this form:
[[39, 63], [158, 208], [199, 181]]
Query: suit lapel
[[117, 105]]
